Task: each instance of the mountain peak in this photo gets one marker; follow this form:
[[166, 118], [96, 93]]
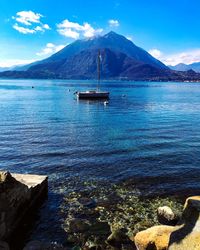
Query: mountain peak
[[112, 34]]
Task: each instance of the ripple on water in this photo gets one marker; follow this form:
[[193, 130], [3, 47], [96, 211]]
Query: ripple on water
[[148, 135]]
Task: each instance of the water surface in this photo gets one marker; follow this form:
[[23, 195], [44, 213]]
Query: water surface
[[149, 134]]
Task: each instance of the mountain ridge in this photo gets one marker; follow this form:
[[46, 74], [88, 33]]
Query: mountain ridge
[[111, 41], [184, 67], [121, 59]]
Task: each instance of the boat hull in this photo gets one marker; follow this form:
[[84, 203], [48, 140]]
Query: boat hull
[[93, 95]]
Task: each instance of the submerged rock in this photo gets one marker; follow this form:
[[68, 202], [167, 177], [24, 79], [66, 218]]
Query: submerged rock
[[87, 202], [90, 245], [119, 239], [81, 231], [95, 207], [38, 245], [78, 225]]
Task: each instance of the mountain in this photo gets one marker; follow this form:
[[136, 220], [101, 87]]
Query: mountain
[[16, 68], [121, 59], [185, 67], [179, 67], [84, 65], [111, 41], [3, 69]]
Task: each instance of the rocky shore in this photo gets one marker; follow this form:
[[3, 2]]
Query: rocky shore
[[110, 217], [185, 235], [118, 219], [114, 217]]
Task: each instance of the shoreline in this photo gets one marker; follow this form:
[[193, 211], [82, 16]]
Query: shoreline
[[95, 195], [103, 80], [104, 217]]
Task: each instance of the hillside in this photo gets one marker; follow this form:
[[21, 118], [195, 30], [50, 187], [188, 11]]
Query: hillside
[[185, 67], [121, 59]]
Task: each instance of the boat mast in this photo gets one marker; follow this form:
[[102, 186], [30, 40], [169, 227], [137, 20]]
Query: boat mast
[[98, 68]]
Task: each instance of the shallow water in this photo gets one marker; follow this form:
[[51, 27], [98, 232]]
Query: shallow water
[[149, 134]]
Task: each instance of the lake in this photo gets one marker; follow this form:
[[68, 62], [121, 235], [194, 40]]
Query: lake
[[149, 134]]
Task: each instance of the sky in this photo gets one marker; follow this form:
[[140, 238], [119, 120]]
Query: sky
[[32, 30]]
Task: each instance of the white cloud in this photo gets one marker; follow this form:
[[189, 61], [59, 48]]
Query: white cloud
[[89, 31], [68, 33], [113, 23], [187, 57], [23, 30], [27, 17], [129, 38], [38, 28], [155, 53], [50, 48], [75, 30], [14, 62], [42, 28], [30, 19], [46, 26]]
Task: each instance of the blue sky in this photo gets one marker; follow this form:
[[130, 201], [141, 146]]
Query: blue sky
[[34, 29]]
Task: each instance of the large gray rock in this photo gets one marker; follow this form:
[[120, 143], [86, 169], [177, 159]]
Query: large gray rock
[[18, 195]]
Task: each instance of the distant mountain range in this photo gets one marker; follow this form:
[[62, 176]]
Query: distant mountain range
[[185, 67], [3, 69], [6, 68], [15, 68], [121, 59]]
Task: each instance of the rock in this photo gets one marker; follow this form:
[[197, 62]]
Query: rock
[[77, 225], [187, 236], [154, 238], [119, 239], [18, 195], [5, 177], [37, 245], [33, 245], [13, 195], [4, 245], [81, 230], [100, 228], [90, 245], [166, 216], [87, 202]]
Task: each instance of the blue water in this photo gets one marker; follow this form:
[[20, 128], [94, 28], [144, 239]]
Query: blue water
[[149, 133]]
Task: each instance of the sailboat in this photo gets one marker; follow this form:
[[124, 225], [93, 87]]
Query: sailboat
[[94, 94]]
